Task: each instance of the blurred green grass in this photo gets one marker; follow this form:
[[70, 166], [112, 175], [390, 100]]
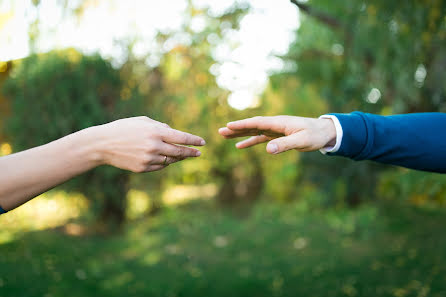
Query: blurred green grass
[[275, 250]]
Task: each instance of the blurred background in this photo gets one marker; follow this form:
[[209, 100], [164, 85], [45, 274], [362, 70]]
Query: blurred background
[[231, 223]]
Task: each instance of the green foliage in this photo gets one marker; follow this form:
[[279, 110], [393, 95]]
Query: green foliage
[[291, 248], [377, 44], [61, 92], [334, 63], [414, 186], [183, 93], [345, 49], [280, 250]]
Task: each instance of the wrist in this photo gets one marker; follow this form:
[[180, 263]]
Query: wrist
[[329, 129], [89, 145]]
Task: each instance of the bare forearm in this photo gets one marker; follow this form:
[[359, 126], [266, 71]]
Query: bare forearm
[[29, 173], [138, 144]]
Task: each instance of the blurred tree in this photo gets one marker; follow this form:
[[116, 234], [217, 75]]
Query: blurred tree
[[376, 56], [182, 91], [186, 95], [5, 69], [61, 92]]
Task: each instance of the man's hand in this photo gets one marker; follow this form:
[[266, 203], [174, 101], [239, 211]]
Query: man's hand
[[283, 133], [141, 144]]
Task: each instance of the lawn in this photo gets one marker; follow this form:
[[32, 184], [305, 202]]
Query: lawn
[[275, 250]]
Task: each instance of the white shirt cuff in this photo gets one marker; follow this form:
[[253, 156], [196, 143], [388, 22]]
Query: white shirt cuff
[[339, 134]]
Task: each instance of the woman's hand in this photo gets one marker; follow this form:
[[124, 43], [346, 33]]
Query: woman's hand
[[138, 144], [141, 144], [283, 133]]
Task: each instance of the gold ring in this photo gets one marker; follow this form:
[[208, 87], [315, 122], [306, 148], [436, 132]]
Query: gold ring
[[165, 161]]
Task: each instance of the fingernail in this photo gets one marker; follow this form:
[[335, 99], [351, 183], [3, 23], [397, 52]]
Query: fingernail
[[272, 148], [198, 154], [203, 142]]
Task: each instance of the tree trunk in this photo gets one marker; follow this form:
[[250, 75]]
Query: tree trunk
[[227, 195], [112, 213]]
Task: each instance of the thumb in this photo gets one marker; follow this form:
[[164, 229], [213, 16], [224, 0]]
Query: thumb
[[286, 143]]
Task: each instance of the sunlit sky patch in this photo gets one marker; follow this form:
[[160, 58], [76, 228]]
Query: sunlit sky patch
[[264, 32]]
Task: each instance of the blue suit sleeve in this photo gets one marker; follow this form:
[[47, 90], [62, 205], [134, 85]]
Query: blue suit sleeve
[[2, 211], [416, 141]]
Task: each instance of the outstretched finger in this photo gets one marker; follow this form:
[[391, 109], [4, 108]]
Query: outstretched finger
[[297, 141], [179, 137], [274, 124], [178, 151], [252, 141], [228, 133]]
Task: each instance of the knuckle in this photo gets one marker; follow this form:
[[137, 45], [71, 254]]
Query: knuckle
[[147, 159], [189, 153], [179, 152], [187, 139], [149, 132], [169, 133], [142, 118], [151, 147]]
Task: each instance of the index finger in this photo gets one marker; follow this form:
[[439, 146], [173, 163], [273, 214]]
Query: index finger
[[179, 137], [260, 123], [228, 133]]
